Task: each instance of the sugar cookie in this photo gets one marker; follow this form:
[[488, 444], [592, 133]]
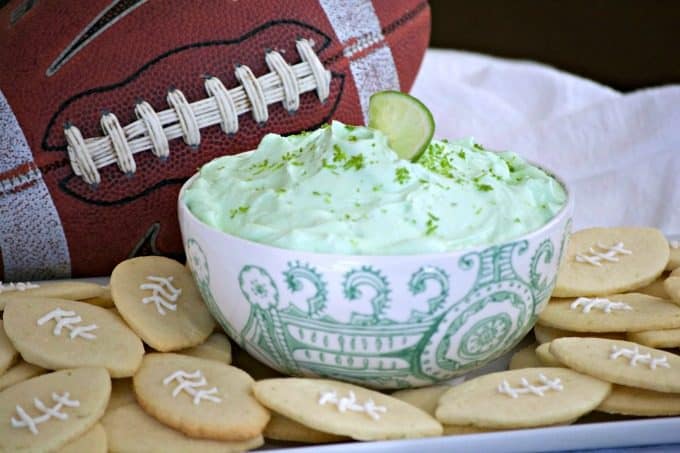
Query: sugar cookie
[[345, 409], [523, 398], [545, 357], [92, 441], [256, 369], [672, 285], [457, 430], [200, 397], [159, 300], [601, 261], [640, 402], [602, 417], [58, 289], [46, 412], [424, 398], [620, 362], [525, 358], [674, 257], [632, 312], [545, 334], [19, 373], [56, 334], [283, 428], [668, 338], [655, 288], [104, 300], [216, 347], [8, 355], [131, 430], [122, 394], [427, 399]]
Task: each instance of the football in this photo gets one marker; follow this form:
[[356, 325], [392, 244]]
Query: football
[[107, 107]]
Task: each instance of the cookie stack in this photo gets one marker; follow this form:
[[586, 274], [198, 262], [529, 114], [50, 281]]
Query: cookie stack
[[614, 301], [617, 301], [135, 366]]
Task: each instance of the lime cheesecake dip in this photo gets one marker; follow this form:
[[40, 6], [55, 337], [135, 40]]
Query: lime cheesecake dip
[[342, 189]]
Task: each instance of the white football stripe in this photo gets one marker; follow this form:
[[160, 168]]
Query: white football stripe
[[351, 18], [356, 23], [32, 240], [374, 72]]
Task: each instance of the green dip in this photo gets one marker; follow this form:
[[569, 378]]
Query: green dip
[[341, 189]]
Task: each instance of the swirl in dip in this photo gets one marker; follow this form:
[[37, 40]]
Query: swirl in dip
[[341, 189]]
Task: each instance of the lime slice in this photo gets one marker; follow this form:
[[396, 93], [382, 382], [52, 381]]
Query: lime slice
[[405, 120]]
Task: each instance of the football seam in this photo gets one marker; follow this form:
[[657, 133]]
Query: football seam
[[63, 184], [157, 59], [152, 131]]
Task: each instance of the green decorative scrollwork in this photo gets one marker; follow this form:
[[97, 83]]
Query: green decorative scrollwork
[[485, 336], [198, 263], [426, 338], [495, 263], [294, 277], [258, 287], [540, 285], [546, 251], [417, 285], [565, 239], [506, 295], [459, 338], [371, 278]]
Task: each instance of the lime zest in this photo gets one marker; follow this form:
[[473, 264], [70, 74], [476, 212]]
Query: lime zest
[[402, 175]]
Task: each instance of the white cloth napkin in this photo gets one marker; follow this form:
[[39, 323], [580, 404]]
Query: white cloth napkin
[[619, 153]]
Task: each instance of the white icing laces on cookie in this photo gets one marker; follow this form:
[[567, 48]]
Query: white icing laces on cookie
[[164, 293], [595, 258], [634, 357], [349, 403], [586, 304], [26, 421], [675, 244], [67, 319], [190, 386], [526, 388], [19, 286]]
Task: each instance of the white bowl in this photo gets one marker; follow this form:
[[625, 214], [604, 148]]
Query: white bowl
[[381, 321]]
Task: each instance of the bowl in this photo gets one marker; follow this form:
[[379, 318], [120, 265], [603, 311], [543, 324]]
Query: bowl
[[380, 321]]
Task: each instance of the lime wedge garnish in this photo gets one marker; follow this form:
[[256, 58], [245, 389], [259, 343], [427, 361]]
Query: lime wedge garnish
[[405, 120]]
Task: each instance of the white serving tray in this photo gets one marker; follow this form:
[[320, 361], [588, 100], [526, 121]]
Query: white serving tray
[[657, 432]]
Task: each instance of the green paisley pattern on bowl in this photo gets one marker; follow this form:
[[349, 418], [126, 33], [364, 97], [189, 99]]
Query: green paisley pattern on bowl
[[369, 279], [291, 328], [417, 285], [295, 276], [486, 335], [198, 263]]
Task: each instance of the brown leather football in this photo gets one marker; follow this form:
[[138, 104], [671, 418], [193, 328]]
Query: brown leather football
[[107, 107]]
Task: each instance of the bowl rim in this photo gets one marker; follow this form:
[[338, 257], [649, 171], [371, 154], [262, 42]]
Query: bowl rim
[[565, 211]]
